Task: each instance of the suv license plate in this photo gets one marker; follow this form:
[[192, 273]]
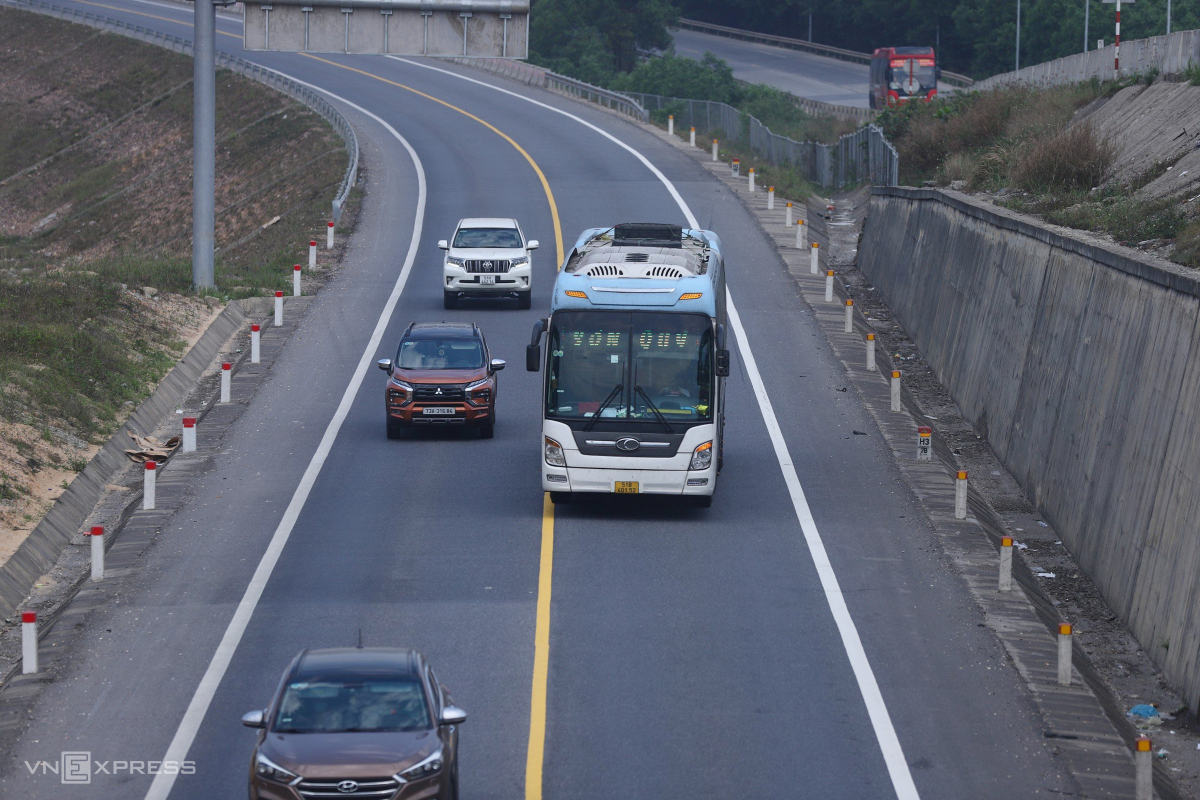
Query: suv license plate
[[625, 487], [487, 279], [438, 410]]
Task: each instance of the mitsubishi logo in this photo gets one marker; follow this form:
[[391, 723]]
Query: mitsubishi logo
[[439, 391], [628, 444], [346, 787]]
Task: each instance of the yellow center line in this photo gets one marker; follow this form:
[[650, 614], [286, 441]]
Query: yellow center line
[[535, 754], [151, 16]]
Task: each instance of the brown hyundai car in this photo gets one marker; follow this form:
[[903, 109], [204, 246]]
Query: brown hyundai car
[[442, 375], [367, 723]]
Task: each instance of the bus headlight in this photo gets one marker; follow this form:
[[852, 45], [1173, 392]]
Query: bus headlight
[[554, 454], [702, 456]]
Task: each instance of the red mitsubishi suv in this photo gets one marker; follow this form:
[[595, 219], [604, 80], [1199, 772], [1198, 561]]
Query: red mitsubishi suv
[[442, 375]]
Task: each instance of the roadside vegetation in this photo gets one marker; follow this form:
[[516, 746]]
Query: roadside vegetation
[[1026, 148], [95, 232]]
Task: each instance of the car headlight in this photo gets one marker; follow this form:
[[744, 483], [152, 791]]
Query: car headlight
[[451, 261], [554, 453], [399, 391], [266, 768], [702, 456], [425, 768], [519, 261], [479, 392]]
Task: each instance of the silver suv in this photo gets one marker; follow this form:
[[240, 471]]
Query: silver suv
[[488, 257]]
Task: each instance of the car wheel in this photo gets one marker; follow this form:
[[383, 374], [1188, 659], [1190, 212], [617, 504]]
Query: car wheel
[[449, 299], [487, 430], [562, 498], [525, 300], [394, 429]]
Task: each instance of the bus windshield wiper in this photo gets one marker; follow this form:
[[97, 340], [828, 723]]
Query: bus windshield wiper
[[666, 425], [596, 416]]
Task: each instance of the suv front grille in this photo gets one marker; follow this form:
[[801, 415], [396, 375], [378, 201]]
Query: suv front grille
[[429, 394], [487, 266], [364, 789]]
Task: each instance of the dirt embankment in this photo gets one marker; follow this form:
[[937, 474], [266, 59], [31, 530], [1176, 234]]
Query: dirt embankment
[[95, 234]]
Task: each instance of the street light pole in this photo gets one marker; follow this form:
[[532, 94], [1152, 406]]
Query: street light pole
[[1087, 7], [1168, 17], [1018, 59], [204, 134]]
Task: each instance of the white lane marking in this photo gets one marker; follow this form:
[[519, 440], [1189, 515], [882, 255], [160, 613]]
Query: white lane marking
[[881, 721], [202, 699]]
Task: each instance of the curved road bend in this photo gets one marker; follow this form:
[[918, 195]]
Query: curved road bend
[[691, 654]]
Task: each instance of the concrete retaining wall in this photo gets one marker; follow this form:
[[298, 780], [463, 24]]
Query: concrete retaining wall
[[65, 518], [1081, 364], [1169, 53]]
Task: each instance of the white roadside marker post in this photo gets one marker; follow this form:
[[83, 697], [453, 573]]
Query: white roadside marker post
[[148, 481], [255, 344], [924, 443], [960, 495], [829, 286], [312, 254], [800, 243], [714, 156], [671, 124], [814, 265], [329, 236], [278, 309], [1006, 550], [189, 435], [849, 316], [870, 352], [1143, 781], [226, 371], [692, 137], [29, 643], [735, 167], [296, 281], [1064, 654], [895, 391], [770, 198], [751, 179], [97, 537], [789, 214]]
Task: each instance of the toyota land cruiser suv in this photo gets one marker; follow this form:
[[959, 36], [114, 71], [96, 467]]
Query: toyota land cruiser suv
[[487, 258], [443, 374]]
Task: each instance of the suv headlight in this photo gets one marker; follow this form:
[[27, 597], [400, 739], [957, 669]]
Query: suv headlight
[[519, 261], [266, 768], [422, 769], [479, 392], [451, 261], [399, 391], [702, 456], [554, 453]]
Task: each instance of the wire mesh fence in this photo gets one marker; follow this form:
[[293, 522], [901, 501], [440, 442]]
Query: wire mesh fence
[[275, 80], [864, 156]]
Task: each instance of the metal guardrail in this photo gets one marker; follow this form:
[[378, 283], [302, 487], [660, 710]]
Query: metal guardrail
[[952, 78], [625, 103], [268, 77], [865, 155]]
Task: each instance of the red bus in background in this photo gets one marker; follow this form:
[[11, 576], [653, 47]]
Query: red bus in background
[[899, 74]]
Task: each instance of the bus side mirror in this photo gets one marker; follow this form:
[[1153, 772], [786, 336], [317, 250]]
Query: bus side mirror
[[722, 363], [533, 352]]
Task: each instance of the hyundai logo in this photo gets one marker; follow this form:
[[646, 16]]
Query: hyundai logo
[[346, 787], [628, 444]]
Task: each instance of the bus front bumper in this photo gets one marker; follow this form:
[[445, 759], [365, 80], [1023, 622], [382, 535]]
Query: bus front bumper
[[648, 481]]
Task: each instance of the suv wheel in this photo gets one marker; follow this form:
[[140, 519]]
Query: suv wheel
[[394, 429], [487, 430], [449, 299], [525, 299]]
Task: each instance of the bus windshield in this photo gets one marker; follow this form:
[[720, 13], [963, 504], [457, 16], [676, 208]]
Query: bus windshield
[[910, 76], [648, 366]]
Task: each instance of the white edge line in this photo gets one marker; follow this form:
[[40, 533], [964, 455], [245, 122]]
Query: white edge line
[[206, 690], [881, 721]]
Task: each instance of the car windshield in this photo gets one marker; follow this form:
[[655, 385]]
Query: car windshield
[[487, 237], [332, 706], [667, 355], [440, 354]]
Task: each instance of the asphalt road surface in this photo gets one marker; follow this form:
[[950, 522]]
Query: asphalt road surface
[[691, 654]]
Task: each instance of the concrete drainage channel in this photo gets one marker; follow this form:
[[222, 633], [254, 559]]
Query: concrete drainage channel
[[1085, 725]]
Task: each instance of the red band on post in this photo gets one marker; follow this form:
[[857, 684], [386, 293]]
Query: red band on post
[[279, 293], [924, 431], [28, 616], [97, 530], [331, 224], [226, 365], [312, 244], [255, 328], [189, 422], [151, 465], [296, 267]]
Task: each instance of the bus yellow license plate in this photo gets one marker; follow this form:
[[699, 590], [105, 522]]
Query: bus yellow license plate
[[625, 487]]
